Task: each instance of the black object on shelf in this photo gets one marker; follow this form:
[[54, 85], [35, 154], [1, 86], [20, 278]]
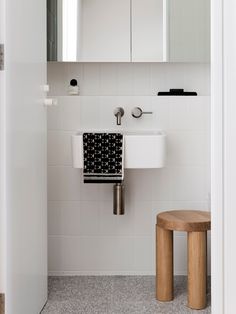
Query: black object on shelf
[[177, 92]]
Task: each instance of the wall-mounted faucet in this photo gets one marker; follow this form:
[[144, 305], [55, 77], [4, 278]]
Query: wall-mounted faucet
[[118, 113], [137, 112]]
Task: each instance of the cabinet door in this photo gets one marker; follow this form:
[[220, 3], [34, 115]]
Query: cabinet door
[[188, 36], [147, 30], [105, 31]]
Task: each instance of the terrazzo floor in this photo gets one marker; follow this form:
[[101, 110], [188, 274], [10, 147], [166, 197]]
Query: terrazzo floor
[[114, 295]]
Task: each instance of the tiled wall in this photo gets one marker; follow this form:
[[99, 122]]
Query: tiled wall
[[84, 236]]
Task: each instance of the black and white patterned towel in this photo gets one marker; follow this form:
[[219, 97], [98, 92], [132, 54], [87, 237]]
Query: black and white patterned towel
[[103, 157]]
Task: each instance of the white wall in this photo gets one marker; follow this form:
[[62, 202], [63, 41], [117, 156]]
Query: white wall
[[84, 236], [25, 154]]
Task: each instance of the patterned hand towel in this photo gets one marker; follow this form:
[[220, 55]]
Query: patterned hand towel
[[103, 157]]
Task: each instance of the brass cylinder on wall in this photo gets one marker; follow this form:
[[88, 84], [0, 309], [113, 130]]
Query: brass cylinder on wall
[[118, 199]]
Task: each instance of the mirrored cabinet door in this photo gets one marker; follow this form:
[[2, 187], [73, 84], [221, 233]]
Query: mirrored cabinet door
[[105, 31], [52, 30], [187, 30], [89, 30], [129, 30], [147, 30]]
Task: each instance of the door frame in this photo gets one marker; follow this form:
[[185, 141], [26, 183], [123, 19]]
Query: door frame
[[223, 155], [217, 158], [2, 169]]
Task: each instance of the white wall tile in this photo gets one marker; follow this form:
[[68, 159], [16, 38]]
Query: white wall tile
[[89, 113], [179, 114], [64, 218], [66, 115], [55, 219], [66, 184], [125, 79], [186, 148], [189, 113], [53, 117], [182, 205], [81, 253], [63, 183], [106, 192], [161, 113], [188, 183], [70, 113], [158, 78], [116, 254], [142, 79], [137, 187], [143, 218], [180, 254], [73, 253], [144, 254], [91, 79], [89, 218], [59, 148], [56, 254], [89, 253], [71, 214], [161, 184], [109, 79], [106, 117], [111, 225]]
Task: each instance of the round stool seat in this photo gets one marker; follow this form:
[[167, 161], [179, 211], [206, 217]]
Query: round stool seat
[[185, 220]]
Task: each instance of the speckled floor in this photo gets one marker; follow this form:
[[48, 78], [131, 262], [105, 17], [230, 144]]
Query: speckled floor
[[114, 295]]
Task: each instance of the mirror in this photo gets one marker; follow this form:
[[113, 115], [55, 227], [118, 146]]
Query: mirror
[[187, 31], [128, 30]]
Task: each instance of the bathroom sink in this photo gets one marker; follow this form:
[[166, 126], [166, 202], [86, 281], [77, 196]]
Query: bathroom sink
[[142, 149]]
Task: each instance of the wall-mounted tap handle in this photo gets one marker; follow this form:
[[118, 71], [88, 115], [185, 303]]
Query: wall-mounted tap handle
[[147, 112], [137, 112], [118, 113]]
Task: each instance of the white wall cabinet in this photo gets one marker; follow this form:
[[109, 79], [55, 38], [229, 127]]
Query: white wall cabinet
[[188, 31], [129, 30], [105, 31], [147, 30], [89, 30]]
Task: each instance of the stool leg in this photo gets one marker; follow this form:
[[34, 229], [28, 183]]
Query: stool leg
[[197, 269], [164, 264]]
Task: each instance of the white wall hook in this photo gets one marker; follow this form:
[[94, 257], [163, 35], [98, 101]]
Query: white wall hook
[[45, 88], [50, 102]]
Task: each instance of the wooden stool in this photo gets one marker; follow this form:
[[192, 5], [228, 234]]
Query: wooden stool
[[196, 223]]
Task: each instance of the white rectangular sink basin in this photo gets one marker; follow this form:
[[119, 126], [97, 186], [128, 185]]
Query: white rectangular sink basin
[[142, 150]]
